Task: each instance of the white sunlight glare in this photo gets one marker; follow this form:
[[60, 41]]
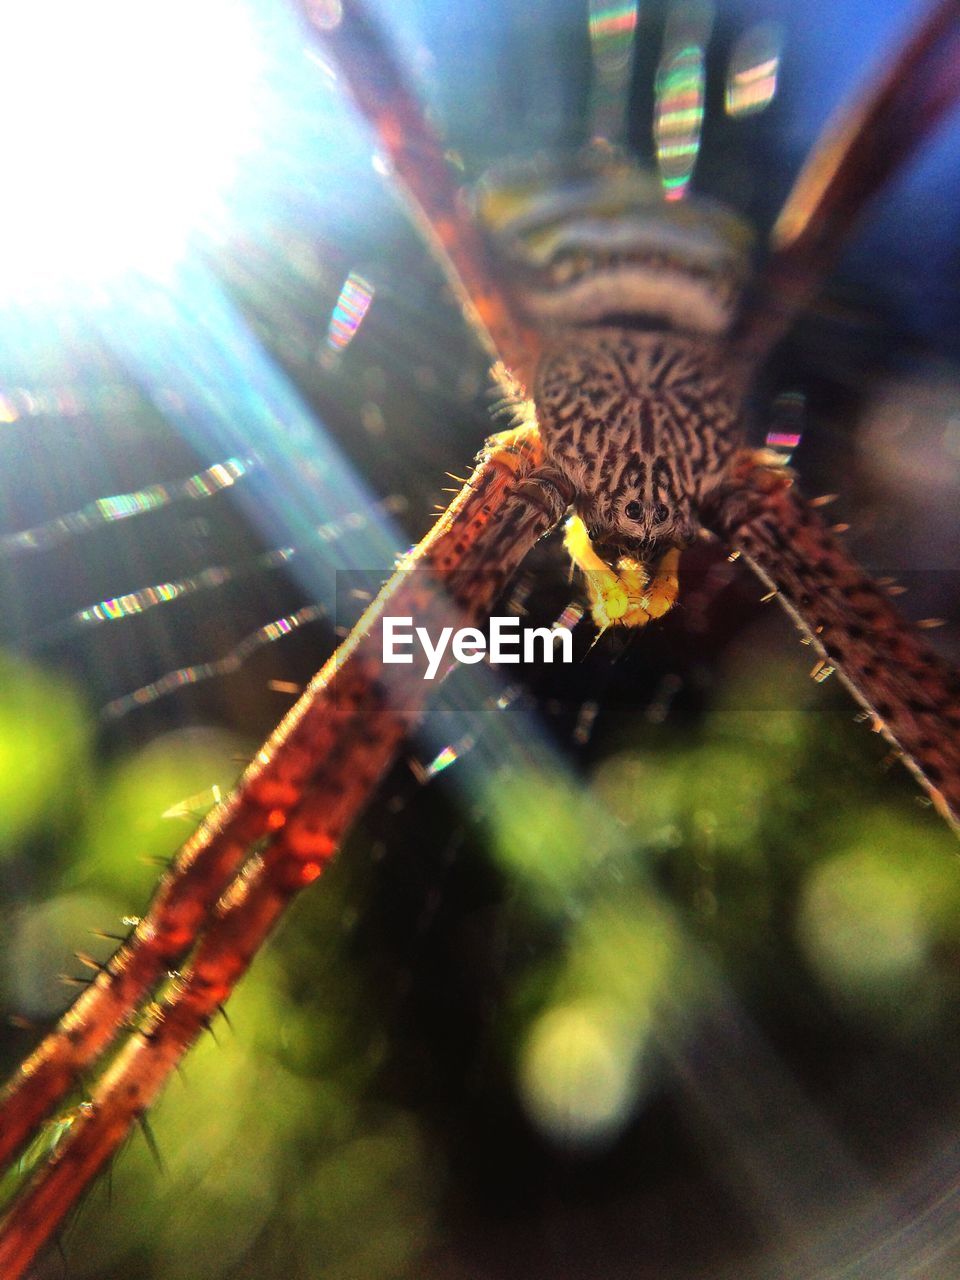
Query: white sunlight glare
[[122, 125]]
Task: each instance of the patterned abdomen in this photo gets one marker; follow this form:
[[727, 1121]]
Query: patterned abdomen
[[588, 237], [642, 423]]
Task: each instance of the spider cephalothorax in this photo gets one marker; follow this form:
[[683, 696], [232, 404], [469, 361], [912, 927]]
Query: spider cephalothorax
[[642, 424]]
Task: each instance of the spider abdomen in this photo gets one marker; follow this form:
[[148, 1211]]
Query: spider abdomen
[[642, 423], [589, 236]]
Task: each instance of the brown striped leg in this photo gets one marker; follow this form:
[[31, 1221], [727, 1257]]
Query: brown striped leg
[[504, 509], [507, 505], [859, 152], [911, 693], [379, 88], [487, 511]]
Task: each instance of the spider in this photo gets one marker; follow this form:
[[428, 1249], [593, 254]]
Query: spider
[[625, 346]]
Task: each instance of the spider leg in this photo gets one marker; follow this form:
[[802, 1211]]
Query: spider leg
[[275, 782], [625, 596], [293, 796], [859, 152], [419, 160], [912, 695], [308, 783]]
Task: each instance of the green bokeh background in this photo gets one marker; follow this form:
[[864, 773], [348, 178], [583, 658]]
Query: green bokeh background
[[683, 1003], [349, 1122]]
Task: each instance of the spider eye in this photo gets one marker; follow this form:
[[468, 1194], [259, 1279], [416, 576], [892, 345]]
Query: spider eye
[[633, 511], [661, 513]]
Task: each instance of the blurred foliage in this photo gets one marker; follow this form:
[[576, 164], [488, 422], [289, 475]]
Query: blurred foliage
[[268, 1138], [686, 869], [44, 745]]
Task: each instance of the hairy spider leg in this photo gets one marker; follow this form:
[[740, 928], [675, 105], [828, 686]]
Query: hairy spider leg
[[507, 505], [910, 693], [275, 780]]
